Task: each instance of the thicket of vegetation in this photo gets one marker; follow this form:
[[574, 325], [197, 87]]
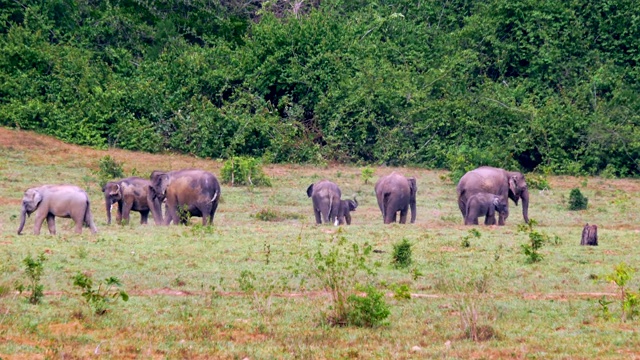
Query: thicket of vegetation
[[536, 84]]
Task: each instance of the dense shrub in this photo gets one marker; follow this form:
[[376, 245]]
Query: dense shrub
[[244, 171], [577, 201]]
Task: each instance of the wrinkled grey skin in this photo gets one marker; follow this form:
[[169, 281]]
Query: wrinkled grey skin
[[49, 201], [395, 192], [131, 194], [325, 196], [346, 206], [497, 181], [190, 192], [485, 204]]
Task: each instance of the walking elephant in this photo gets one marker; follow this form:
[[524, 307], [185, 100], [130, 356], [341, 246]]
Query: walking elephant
[[485, 179], [485, 204], [325, 196], [189, 192], [344, 211], [130, 194], [395, 192], [49, 201]]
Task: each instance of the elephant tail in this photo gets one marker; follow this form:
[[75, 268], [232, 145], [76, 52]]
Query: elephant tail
[[215, 196], [88, 219]]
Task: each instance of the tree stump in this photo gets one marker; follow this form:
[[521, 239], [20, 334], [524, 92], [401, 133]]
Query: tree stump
[[589, 235]]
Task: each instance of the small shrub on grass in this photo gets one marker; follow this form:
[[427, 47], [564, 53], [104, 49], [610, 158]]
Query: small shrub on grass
[[402, 292], [538, 182], [275, 215], [109, 169], [244, 171], [34, 269], [629, 300], [402, 254], [368, 311], [577, 201], [98, 299], [366, 174], [472, 234], [536, 241]]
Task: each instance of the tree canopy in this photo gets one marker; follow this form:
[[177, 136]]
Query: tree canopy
[[537, 85]]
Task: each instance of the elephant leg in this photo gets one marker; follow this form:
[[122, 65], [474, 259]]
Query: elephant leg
[[79, 219], [490, 220], [144, 216], [119, 213], [318, 216], [403, 216], [126, 213], [347, 218], [88, 219], [51, 224], [38, 222]]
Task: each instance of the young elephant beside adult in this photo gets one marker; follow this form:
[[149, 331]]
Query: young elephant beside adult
[[130, 194], [395, 192], [485, 204], [49, 201], [325, 196], [189, 192], [344, 211], [497, 181]]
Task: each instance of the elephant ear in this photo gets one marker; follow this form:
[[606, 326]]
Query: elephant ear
[[352, 205], [37, 198], [513, 188], [114, 188], [413, 186], [310, 190]]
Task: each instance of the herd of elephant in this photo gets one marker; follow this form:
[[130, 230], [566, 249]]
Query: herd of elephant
[[191, 192]]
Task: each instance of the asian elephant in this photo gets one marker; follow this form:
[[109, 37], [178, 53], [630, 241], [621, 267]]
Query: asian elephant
[[346, 207], [188, 192], [325, 196], [130, 194], [49, 201], [485, 204], [497, 181], [395, 192]]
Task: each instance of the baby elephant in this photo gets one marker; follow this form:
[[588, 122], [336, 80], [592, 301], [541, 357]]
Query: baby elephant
[[485, 204], [346, 206], [49, 201]]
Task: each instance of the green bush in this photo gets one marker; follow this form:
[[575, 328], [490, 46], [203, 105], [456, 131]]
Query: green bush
[[98, 298], [368, 311], [577, 201], [402, 254], [244, 171], [109, 169], [34, 269]]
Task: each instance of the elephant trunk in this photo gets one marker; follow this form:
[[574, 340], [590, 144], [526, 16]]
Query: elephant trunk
[[108, 203], [525, 205], [23, 218], [156, 207], [413, 210]]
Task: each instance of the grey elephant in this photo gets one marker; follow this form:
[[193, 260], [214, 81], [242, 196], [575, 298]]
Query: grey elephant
[[344, 211], [325, 196], [130, 194], [508, 184], [49, 201], [395, 192], [485, 204], [188, 192]]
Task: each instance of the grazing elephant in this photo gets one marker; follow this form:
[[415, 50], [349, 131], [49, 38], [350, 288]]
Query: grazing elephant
[[346, 206], [396, 193], [485, 204], [49, 201], [130, 194], [187, 193], [497, 181], [325, 196]]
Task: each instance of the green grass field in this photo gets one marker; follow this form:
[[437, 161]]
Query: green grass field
[[244, 289]]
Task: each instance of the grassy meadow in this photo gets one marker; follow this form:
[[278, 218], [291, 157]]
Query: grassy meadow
[[244, 289]]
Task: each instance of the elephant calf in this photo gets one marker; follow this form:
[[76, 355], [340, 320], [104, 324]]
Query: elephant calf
[[49, 201], [346, 206], [131, 195], [485, 204]]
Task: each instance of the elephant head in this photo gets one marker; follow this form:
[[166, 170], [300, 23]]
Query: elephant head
[[112, 194], [518, 190], [157, 193], [30, 202]]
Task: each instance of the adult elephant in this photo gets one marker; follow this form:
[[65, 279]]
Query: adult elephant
[[49, 201], [496, 181], [189, 192], [130, 194], [395, 192], [325, 196]]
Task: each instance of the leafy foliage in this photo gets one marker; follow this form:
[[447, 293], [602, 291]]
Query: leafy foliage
[[34, 268], [529, 84], [368, 311], [536, 241], [402, 254], [244, 171], [577, 201], [109, 169], [98, 298]]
